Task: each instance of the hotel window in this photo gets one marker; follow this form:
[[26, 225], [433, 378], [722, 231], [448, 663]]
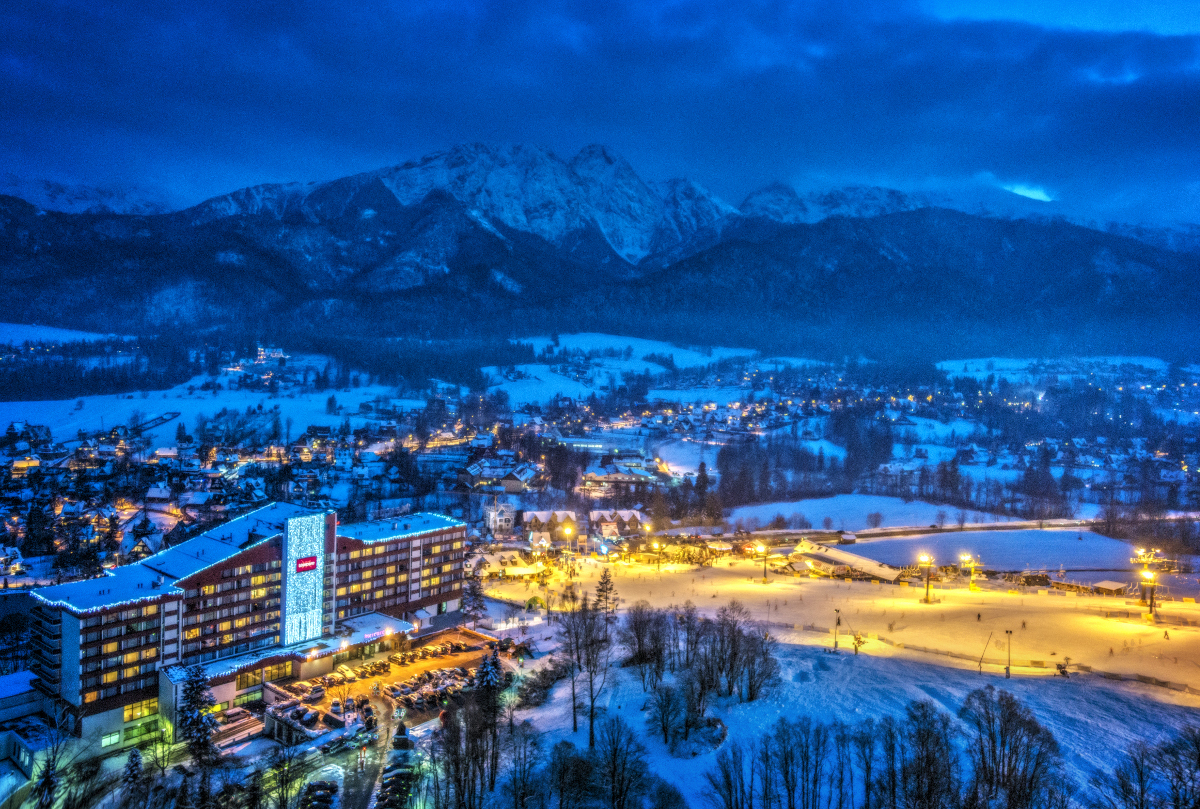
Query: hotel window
[[132, 671], [223, 626], [248, 679], [91, 696], [109, 739], [259, 593], [140, 710], [150, 610], [132, 657], [110, 677], [279, 671], [249, 696], [109, 648], [208, 590], [258, 581]]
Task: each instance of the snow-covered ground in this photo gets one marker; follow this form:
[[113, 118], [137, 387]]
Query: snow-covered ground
[[18, 333], [720, 396], [1030, 549], [1091, 717], [849, 512], [1022, 369], [693, 357], [65, 419], [683, 457]]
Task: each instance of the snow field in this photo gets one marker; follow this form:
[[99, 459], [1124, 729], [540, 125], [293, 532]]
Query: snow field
[[1091, 717], [684, 357], [19, 333], [849, 511]]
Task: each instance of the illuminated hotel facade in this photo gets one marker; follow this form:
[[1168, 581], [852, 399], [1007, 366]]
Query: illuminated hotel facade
[[279, 593]]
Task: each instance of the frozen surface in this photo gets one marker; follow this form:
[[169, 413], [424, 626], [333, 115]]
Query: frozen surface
[[1031, 549]]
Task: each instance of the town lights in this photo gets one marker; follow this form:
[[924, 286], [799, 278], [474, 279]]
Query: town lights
[[926, 561], [763, 550], [658, 555]]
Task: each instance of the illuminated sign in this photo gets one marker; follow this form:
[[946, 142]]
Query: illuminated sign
[[303, 595]]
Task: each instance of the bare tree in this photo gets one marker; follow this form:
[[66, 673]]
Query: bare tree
[[620, 763], [595, 651], [1012, 755], [666, 706], [570, 775], [730, 785], [524, 754], [289, 767]]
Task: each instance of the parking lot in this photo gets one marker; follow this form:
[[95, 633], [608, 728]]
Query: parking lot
[[382, 703]]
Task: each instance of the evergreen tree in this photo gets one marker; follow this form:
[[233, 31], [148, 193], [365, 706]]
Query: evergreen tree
[[196, 721], [45, 789], [473, 605], [131, 778], [204, 796], [183, 798], [606, 596]]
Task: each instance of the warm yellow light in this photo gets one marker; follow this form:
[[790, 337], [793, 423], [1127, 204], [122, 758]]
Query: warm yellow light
[[761, 549], [655, 546], [567, 530], [1148, 575], [924, 558]]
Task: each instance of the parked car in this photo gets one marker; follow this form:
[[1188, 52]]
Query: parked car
[[310, 719], [316, 694], [335, 706]]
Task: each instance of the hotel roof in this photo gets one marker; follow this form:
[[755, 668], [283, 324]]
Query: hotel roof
[[132, 583], [409, 525]]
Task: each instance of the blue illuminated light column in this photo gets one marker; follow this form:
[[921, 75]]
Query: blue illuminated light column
[[303, 578]]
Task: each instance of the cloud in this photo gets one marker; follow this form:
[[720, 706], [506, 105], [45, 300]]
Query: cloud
[[208, 98], [1029, 191]]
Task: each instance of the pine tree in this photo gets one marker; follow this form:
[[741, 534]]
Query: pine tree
[[183, 798], [473, 605], [606, 596], [196, 721], [204, 796], [45, 789], [131, 778]]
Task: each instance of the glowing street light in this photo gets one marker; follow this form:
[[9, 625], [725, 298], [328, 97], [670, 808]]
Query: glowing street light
[[1009, 666], [763, 550], [926, 561], [1148, 575], [658, 556]]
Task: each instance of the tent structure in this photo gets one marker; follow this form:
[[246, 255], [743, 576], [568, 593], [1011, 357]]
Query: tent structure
[[827, 560]]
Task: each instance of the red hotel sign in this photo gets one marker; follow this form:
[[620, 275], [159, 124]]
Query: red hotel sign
[[306, 563]]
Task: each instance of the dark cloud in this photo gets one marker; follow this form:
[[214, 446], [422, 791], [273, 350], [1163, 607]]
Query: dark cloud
[[206, 99]]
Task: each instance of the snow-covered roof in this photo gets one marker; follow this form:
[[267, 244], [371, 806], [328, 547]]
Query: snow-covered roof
[[121, 585], [223, 541], [409, 525], [19, 682]]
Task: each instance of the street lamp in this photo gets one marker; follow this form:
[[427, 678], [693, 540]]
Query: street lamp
[[1148, 575], [1009, 666], [763, 550], [926, 562], [969, 562], [658, 556], [836, 623]]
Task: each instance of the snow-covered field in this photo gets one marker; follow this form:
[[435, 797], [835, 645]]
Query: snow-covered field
[[1030, 549], [694, 357], [849, 512], [683, 457], [718, 395], [64, 419], [1027, 369], [18, 333], [541, 384], [1091, 717]]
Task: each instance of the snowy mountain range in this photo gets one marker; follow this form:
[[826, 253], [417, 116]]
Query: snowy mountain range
[[514, 238]]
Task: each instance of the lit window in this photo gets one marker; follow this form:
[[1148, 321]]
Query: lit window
[[109, 739], [110, 677], [109, 648]]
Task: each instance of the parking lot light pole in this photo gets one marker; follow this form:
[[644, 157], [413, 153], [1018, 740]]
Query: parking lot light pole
[[763, 550], [927, 563], [1009, 666]]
